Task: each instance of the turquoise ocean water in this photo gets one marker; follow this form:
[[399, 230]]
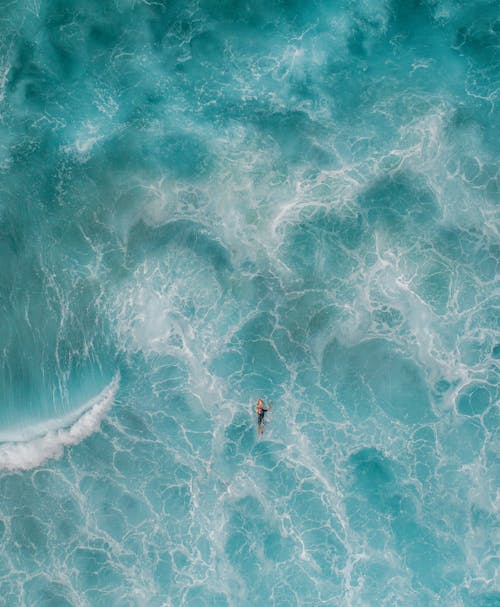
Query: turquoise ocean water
[[205, 202]]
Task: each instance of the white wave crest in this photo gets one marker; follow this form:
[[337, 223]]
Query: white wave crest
[[32, 446]]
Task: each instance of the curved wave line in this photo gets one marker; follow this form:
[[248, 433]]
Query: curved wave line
[[34, 445]]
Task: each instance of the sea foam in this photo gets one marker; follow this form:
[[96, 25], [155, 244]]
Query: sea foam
[[27, 448]]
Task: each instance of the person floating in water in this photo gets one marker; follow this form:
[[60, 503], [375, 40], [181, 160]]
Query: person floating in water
[[261, 410]]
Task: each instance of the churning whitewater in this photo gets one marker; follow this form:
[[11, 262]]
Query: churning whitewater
[[208, 202]]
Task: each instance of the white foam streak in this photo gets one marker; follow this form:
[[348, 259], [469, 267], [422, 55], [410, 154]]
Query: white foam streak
[[63, 432]]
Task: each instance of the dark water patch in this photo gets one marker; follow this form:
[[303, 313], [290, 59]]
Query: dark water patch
[[167, 20], [349, 88], [36, 91], [136, 149], [471, 121], [144, 241], [121, 153], [376, 480], [375, 373], [208, 48], [356, 42], [428, 556], [475, 398], [257, 287], [442, 386], [480, 599], [387, 317], [24, 65], [395, 201], [59, 13], [394, 505], [487, 316], [301, 310], [13, 247], [324, 321], [350, 230], [384, 44], [184, 155], [262, 361], [87, 34], [42, 592], [479, 34], [476, 351], [408, 15], [65, 31], [103, 36], [469, 248], [277, 548], [31, 83], [300, 138], [319, 248], [457, 245], [464, 118], [261, 14]]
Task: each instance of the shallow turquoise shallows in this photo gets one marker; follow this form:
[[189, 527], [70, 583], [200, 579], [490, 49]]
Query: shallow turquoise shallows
[[204, 202]]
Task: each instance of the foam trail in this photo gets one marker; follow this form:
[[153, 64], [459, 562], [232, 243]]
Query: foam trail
[[41, 444]]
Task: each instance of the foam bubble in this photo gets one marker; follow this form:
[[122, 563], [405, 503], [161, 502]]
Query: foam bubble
[[26, 449]]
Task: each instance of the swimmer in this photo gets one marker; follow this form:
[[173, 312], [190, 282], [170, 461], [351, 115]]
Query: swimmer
[[261, 411]]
